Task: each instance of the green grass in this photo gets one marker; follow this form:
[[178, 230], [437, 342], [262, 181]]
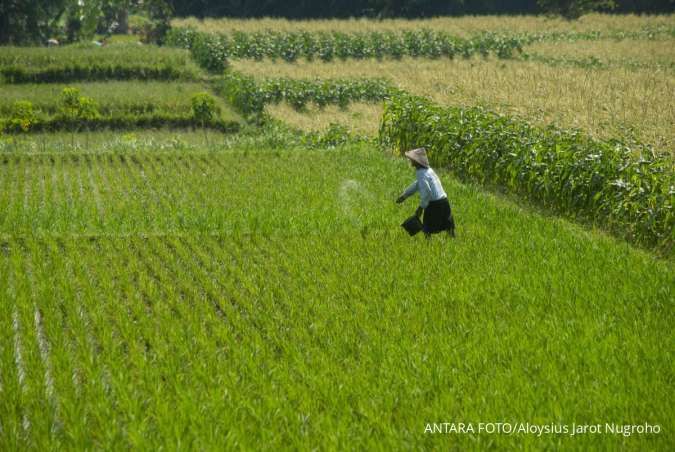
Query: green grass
[[134, 97], [243, 298], [85, 61]]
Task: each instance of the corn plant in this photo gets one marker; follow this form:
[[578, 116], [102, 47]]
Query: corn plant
[[564, 170]]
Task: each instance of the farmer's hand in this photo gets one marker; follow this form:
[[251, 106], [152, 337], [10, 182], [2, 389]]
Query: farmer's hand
[[418, 212], [400, 199]]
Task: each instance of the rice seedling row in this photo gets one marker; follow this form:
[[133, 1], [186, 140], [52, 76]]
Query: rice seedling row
[[122, 327], [320, 340]]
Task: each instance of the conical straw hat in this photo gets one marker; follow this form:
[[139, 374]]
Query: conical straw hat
[[418, 155]]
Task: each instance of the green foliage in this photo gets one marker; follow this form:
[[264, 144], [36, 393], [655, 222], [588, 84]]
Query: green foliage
[[159, 13], [76, 107], [84, 62], [171, 291], [204, 108], [75, 112], [566, 171], [30, 21], [23, 118], [573, 9], [289, 46], [250, 96], [209, 53]]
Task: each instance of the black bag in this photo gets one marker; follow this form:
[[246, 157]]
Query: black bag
[[412, 225]]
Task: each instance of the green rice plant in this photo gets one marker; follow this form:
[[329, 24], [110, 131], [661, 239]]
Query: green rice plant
[[114, 105], [137, 312], [82, 63], [600, 181]]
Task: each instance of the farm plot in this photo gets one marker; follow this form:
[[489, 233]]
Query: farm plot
[[232, 299], [627, 104], [466, 26], [113, 98], [119, 105], [86, 62]]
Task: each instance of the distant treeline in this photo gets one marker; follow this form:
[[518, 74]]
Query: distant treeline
[[299, 9]]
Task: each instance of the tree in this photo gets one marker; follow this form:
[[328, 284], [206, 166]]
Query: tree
[[30, 21], [573, 9]]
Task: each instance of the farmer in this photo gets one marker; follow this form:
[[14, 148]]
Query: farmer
[[433, 200]]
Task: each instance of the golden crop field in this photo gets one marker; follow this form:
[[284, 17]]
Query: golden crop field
[[461, 26], [606, 103]]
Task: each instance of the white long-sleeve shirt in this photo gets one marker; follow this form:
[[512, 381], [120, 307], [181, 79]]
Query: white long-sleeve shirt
[[429, 186]]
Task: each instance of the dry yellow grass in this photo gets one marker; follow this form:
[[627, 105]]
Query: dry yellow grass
[[610, 51], [466, 25], [605, 103], [359, 118]]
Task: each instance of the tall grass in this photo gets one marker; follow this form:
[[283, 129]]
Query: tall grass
[[358, 117]]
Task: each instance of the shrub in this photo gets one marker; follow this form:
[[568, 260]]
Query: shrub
[[23, 117], [204, 108], [210, 53], [73, 106]]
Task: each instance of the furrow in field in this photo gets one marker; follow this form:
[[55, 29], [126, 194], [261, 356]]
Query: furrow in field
[[49, 203], [193, 278], [123, 194], [83, 307], [20, 364], [122, 260], [27, 191], [16, 175], [66, 180], [12, 387], [197, 194], [138, 186], [180, 193], [60, 309], [43, 345], [80, 192], [185, 248], [6, 181], [228, 280], [96, 313], [156, 185], [41, 172], [28, 365], [35, 279], [93, 186]]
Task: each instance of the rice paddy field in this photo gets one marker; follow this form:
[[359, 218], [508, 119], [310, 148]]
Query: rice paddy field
[[176, 289]]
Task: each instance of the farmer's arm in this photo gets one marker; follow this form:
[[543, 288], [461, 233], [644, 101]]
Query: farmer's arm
[[425, 195], [412, 188]]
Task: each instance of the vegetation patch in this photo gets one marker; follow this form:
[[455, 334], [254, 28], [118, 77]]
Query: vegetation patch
[[601, 181], [250, 96], [89, 63], [327, 46], [135, 277], [118, 105]]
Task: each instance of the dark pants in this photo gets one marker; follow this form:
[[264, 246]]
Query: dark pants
[[438, 217]]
